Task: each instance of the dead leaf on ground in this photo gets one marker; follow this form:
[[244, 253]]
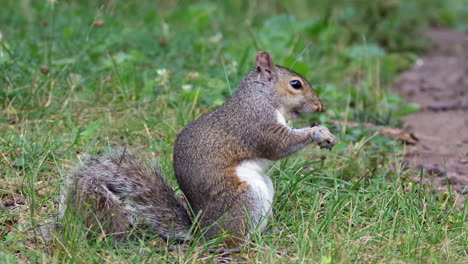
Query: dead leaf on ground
[[399, 134], [350, 124], [394, 133], [6, 225]]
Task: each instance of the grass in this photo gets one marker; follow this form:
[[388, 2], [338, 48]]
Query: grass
[[77, 76]]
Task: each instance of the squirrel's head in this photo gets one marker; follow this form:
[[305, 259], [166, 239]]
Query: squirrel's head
[[295, 96]]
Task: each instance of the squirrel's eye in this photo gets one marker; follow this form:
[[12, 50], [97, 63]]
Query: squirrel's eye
[[296, 84]]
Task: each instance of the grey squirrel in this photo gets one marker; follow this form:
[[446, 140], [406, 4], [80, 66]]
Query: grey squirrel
[[220, 162]]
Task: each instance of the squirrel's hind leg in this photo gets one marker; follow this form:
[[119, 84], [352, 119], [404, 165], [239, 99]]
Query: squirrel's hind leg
[[232, 222]]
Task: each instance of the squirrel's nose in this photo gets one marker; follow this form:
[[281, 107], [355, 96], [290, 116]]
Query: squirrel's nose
[[321, 107]]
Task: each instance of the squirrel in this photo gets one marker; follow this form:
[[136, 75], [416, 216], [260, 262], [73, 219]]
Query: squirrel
[[220, 162]]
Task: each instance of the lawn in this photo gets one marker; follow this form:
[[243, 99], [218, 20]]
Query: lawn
[[80, 76]]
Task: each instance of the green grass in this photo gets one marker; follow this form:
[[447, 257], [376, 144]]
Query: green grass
[[69, 85]]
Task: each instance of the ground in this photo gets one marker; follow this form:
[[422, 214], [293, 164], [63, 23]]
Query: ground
[[79, 76], [439, 83]]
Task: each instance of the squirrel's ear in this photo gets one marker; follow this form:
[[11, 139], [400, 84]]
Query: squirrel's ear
[[265, 65]]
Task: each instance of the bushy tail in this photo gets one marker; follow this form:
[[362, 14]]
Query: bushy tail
[[116, 192]]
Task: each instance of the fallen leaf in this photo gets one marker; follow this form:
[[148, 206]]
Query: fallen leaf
[[350, 124], [399, 134], [6, 226], [394, 133]]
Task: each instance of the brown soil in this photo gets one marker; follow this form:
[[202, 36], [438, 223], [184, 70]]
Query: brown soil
[[439, 83]]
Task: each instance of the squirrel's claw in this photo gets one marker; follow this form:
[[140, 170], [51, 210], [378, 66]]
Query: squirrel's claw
[[323, 137], [327, 144]]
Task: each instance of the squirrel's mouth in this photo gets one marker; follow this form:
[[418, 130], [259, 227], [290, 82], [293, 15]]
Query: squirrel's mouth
[[307, 109], [299, 112], [296, 114]]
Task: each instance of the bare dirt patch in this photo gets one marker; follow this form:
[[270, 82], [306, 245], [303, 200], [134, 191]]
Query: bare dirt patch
[[439, 83]]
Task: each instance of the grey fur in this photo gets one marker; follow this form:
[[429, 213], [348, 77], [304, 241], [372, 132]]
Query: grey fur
[[208, 150], [117, 191], [122, 190]]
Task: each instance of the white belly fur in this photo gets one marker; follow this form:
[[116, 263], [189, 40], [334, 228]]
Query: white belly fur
[[253, 172]]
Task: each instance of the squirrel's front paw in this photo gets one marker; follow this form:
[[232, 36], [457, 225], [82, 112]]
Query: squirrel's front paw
[[323, 137]]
